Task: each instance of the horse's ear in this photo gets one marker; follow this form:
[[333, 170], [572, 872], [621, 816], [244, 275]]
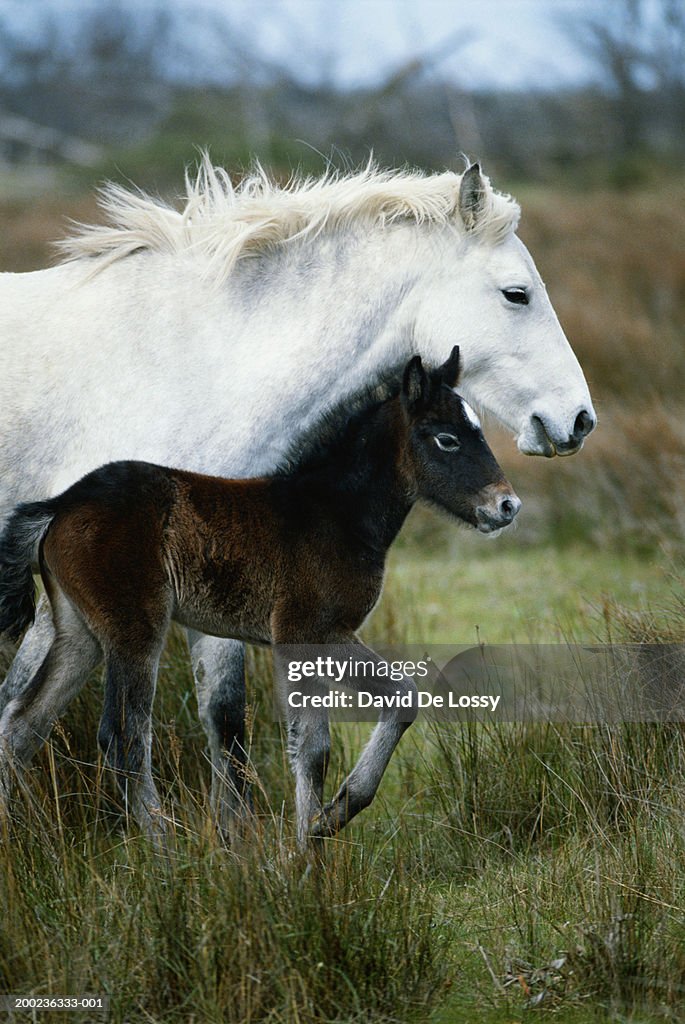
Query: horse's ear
[[414, 382], [471, 196], [451, 368]]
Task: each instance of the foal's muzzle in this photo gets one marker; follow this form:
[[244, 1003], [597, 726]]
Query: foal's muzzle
[[498, 507]]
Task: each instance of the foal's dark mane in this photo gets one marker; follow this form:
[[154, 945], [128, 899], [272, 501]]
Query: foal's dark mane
[[338, 425]]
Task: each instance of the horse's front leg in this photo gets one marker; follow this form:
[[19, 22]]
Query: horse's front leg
[[219, 671], [359, 788]]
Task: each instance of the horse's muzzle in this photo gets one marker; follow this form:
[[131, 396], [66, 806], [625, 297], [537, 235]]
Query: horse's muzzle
[[545, 437]]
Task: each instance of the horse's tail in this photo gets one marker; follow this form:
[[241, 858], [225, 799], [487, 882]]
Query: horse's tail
[[20, 544]]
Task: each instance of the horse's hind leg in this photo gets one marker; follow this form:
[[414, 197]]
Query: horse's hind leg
[[30, 655], [125, 733], [219, 670], [29, 716]]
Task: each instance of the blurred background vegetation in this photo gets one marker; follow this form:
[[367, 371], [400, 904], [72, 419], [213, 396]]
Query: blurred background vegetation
[[139, 85]]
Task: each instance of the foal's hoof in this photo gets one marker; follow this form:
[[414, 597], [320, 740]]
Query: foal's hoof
[[327, 822], [316, 827]]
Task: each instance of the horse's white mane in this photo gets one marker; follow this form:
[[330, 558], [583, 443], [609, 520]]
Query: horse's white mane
[[222, 222]]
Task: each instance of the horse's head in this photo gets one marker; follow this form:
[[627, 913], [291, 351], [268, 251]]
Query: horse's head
[[483, 291], [450, 461]]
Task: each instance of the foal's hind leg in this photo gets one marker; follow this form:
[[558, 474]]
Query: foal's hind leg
[[29, 716], [125, 733], [219, 670]]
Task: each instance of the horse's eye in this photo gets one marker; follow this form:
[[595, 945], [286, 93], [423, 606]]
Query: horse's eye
[[519, 296], [447, 442]]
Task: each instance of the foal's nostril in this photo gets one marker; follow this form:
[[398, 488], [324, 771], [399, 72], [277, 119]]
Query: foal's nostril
[[498, 509], [583, 425], [508, 508]]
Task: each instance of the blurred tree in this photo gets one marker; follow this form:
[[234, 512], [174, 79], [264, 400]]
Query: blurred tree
[[638, 48], [165, 76], [97, 75], [668, 64]]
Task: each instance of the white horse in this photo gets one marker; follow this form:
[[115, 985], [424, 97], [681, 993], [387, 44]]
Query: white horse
[[212, 337]]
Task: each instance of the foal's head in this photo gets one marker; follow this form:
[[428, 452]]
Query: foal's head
[[448, 456]]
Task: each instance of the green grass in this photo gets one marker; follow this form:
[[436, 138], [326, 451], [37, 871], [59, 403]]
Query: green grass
[[505, 872], [455, 586]]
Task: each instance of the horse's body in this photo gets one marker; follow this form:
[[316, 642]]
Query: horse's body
[[294, 558], [213, 338]]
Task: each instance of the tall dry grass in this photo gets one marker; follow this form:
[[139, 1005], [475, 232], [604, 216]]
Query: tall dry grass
[[200, 932], [614, 264], [208, 935], [505, 867]]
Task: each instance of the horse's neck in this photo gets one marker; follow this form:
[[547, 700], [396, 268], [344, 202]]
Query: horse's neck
[[331, 317], [229, 375]]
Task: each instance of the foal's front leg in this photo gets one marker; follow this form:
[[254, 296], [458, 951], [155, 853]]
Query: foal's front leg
[[309, 744], [359, 788], [309, 748]]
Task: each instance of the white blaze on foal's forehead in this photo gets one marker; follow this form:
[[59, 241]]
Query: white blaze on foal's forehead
[[470, 415]]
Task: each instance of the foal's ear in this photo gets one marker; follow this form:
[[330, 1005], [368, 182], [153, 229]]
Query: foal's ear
[[451, 368], [414, 382]]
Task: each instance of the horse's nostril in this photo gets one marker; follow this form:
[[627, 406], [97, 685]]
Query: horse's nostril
[[584, 424]]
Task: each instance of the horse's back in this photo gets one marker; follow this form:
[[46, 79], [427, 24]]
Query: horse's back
[[26, 299], [93, 369]]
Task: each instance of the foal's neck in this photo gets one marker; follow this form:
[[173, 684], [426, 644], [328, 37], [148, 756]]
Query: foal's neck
[[365, 478]]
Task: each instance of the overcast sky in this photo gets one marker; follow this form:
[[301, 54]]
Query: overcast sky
[[494, 42], [504, 43]]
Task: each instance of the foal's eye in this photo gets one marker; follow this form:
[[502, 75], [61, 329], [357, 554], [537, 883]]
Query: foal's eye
[[519, 296], [447, 442]]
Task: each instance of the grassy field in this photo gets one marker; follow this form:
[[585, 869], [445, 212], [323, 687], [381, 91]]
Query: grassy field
[[503, 870], [506, 872]]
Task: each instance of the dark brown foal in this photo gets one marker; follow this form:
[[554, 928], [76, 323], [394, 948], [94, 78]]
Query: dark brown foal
[[294, 558]]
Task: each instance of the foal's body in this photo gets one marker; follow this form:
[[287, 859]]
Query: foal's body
[[293, 558], [233, 558]]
